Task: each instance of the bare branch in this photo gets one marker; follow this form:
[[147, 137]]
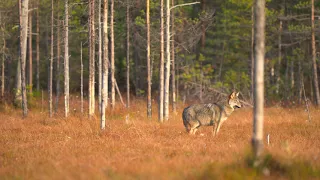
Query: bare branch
[[32, 9], [185, 4]]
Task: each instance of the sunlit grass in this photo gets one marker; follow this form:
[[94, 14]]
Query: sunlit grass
[[135, 147]]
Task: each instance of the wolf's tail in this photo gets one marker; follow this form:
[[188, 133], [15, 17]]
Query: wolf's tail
[[185, 117]]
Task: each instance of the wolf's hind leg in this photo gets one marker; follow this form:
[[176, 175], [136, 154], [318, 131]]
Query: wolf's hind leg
[[194, 127], [188, 127]]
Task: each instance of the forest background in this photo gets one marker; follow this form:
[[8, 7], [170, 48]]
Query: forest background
[[212, 49]]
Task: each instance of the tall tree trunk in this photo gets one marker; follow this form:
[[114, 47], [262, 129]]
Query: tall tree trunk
[[2, 63], [81, 79], [259, 31], [23, 51], [300, 81], [99, 55], [201, 85], [51, 62], [177, 78], [149, 106], [252, 48], [91, 58], [17, 93], [173, 70], [161, 88], [30, 53], [58, 60], [168, 61], [38, 49], [93, 33], [311, 88], [279, 58], [113, 97], [66, 60], [104, 90], [106, 52], [128, 54], [314, 58]]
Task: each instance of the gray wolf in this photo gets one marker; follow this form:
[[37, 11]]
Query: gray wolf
[[215, 114]]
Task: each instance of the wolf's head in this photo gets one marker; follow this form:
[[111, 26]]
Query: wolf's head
[[234, 101]]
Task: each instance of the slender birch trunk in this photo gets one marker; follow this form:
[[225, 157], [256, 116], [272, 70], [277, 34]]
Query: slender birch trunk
[[23, 52], [177, 67], [112, 55], [91, 58], [311, 88], [103, 107], [66, 61], [17, 93], [252, 49], [99, 55], [2, 76], [161, 88], [51, 62], [38, 49], [149, 105], [104, 98], [58, 60], [314, 58], [30, 53], [300, 81], [173, 70], [2, 63], [257, 138], [292, 74], [168, 61], [105, 54], [81, 80], [128, 54]]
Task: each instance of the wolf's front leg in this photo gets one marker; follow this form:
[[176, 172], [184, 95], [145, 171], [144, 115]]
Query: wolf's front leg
[[214, 129], [218, 126]]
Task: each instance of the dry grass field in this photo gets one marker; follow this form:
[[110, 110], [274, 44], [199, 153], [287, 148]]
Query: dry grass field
[[136, 147]]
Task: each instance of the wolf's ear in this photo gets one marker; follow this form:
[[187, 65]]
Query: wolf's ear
[[237, 94], [232, 95]]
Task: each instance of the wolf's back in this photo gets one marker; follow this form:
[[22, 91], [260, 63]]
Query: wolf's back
[[203, 113]]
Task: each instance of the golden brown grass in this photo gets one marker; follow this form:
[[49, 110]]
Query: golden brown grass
[[136, 147]]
